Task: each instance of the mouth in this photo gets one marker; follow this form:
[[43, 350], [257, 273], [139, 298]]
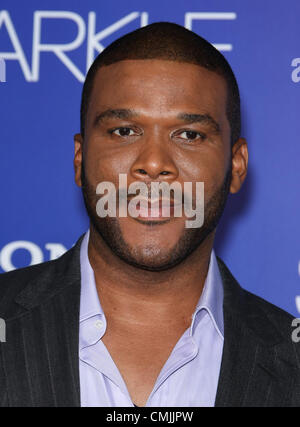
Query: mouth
[[156, 211]]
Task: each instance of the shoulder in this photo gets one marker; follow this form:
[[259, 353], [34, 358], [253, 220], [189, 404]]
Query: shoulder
[[14, 282], [263, 317], [269, 316], [38, 282]]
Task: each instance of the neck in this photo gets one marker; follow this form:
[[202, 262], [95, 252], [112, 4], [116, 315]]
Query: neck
[[146, 295]]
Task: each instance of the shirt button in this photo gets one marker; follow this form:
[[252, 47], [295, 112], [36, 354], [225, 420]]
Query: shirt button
[[99, 324]]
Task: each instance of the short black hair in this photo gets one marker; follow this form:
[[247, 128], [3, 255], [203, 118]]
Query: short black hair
[[168, 41]]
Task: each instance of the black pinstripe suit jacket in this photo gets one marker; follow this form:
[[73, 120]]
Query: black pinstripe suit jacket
[[39, 363]]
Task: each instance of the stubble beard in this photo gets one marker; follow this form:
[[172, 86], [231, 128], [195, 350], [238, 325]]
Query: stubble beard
[[153, 257]]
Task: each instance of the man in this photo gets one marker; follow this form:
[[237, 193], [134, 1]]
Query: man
[[141, 311]]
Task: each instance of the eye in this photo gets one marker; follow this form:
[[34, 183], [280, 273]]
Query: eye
[[122, 131], [192, 135]]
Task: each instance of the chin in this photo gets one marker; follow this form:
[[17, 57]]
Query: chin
[[151, 258]]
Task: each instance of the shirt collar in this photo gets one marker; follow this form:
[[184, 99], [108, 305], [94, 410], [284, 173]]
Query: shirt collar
[[211, 299], [212, 296], [89, 300]]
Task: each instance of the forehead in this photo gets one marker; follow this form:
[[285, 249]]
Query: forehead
[[159, 85]]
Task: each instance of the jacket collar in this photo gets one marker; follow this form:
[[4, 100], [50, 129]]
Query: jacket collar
[[65, 270]]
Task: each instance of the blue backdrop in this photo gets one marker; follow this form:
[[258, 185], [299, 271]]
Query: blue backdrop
[[47, 47]]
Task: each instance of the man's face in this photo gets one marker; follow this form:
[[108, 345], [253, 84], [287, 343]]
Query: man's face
[[156, 141]]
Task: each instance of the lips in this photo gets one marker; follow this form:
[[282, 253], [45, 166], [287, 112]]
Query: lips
[[159, 208]]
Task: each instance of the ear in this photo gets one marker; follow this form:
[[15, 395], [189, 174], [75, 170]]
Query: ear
[[239, 164], [78, 142]]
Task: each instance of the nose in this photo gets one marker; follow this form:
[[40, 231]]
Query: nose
[[154, 162]]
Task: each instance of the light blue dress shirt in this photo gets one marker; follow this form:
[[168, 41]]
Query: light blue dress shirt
[[189, 377]]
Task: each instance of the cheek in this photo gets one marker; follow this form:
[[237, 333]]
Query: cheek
[[104, 163], [207, 168]]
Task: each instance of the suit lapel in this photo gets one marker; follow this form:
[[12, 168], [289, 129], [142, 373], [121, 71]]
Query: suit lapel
[[246, 370], [40, 356], [254, 371]]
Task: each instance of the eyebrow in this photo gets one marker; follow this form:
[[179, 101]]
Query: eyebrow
[[125, 114], [121, 113], [200, 118]]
